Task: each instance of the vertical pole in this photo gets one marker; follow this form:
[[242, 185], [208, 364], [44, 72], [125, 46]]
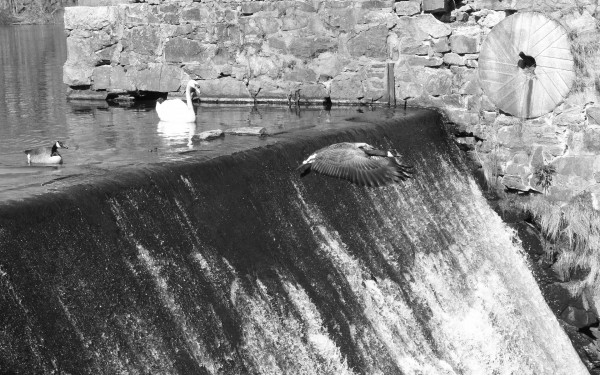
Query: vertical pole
[[391, 84]]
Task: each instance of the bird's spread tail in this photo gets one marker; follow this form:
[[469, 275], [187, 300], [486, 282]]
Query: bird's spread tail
[[403, 172], [304, 169]]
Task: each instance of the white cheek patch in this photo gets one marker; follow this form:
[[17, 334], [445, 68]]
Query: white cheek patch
[[28, 159], [390, 155], [310, 159]]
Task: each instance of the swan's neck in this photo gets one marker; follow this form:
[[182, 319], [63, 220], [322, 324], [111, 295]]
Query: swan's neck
[[188, 97]]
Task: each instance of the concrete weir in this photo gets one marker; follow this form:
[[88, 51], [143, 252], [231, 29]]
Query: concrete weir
[[236, 265]]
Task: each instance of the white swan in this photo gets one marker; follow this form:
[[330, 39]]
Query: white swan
[[175, 110]]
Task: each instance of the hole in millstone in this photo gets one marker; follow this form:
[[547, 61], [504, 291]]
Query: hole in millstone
[[527, 63]]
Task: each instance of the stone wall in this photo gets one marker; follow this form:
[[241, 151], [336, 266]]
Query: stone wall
[[311, 51]]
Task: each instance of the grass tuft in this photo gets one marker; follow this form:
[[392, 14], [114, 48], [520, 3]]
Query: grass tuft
[[574, 229]]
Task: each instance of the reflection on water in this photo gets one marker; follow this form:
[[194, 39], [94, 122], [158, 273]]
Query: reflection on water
[[101, 136]]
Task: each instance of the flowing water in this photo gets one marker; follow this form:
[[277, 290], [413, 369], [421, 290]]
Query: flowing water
[[208, 261]]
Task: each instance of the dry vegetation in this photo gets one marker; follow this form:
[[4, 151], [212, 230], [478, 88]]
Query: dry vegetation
[[584, 47], [573, 235]]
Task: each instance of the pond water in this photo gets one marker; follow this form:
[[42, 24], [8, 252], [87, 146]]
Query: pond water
[[101, 137]]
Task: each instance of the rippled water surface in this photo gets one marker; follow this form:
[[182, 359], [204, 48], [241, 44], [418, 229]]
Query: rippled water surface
[[34, 112]]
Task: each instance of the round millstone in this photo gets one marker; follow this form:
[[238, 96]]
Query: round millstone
[[526, 66]]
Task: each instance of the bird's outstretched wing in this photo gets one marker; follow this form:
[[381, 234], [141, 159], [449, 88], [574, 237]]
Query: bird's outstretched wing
[[354, 165]]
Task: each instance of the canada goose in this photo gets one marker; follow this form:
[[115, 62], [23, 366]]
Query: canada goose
[[359, 163], [175, 110], [45, 155]]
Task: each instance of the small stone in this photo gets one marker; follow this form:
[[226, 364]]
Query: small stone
[[434, 6], [593, 115], [440, 45], [408, 8], [208, 135], [247, 130], [461, 16], [466, 40], [423, 60], [472, 63], [515, 182], [578, 317], [492, 19], [430, 25], [453, 59], [489, 117]]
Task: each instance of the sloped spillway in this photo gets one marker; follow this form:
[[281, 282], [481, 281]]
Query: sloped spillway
[[235, 265]]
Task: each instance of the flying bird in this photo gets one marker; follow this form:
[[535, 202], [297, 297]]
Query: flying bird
[[45, 155], [359, 163]]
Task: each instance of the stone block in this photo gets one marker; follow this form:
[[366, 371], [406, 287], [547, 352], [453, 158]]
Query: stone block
[[453, 59], [582, 166], [466, 81], [300, 75], [435, 81], [119, 80], [295, 20], [593, 115], [144, 40], [434, 6], [370, 43], [77, 75], [101, 77], [408, 8], [580, 22], [382, 17], [428, 24], [138, 15], [578, 317], [466, 40], [328, 64], [473, 102], [412, 60], [195, 14], [408, 27], [440, 45], [591, 140], [310, 47], [503, 4], [167, 13], [205, 70], [491, 19], [347, 86], [472, 64], [90, 18], [208, 135], [160, 78], [313, 91], [226, 87], [488, 117], [406, 89], [410, 46], [376, 4], [345, 19], [264, 87], [186, 50], [461, 116], [569, 118]]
